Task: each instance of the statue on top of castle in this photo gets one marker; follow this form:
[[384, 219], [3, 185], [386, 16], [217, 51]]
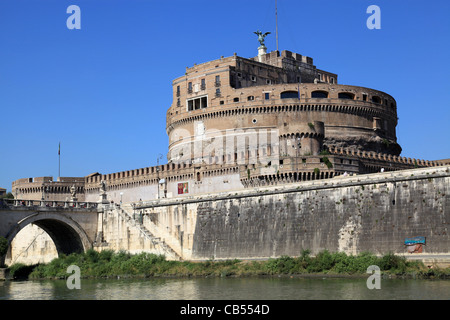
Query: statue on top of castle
[[261, 37]]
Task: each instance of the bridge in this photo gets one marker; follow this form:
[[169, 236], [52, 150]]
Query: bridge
[[71, 225]]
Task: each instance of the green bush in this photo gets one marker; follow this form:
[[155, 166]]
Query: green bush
[[282, 265], [391, 262]]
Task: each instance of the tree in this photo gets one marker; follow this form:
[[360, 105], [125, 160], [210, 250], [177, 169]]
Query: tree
[[8, 195]]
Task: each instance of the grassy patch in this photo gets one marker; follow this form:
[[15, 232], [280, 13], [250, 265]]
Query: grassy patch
[[106, 264]]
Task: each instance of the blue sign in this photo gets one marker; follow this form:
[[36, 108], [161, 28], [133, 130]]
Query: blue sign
[[415, 240]]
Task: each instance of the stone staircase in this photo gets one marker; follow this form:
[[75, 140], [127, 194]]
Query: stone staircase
[[126, 211]]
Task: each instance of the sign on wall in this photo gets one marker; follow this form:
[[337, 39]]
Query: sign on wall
[[183, 188], [414, 245]]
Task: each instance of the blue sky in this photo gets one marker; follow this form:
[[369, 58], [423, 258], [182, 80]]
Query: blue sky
[[103, 91]]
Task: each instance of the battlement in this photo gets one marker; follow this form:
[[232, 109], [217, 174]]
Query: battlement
[[388, 157], [45, 187]]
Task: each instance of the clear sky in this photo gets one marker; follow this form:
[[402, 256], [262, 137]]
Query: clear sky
[[103, 90]]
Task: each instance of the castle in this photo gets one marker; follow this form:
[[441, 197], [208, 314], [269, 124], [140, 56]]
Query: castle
[[237, 122]]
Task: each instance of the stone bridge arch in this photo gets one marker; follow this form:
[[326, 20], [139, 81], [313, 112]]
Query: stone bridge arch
[[67, 235]]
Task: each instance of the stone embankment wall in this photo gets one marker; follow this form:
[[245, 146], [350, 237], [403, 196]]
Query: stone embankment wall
[[373, 212]]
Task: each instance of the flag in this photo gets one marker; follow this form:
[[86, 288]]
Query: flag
[[59, 149]]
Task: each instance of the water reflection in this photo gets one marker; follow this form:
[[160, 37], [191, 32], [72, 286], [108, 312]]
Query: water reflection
[[227, 289]]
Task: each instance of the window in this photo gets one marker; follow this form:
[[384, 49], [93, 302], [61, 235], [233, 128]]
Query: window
[[190, 87], [217, 83], [266, 95], [346, 95], [289, 95], [376, 99], [364, 97], [332, 80], [319, 76], [197, 103], [218, 92], [268, 81], [178, 91], [253, 78], [250, 98], [236, 99], [203, 84], [319, 94]]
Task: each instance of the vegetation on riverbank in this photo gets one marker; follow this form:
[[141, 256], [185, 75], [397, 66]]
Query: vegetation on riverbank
[[108, 264]]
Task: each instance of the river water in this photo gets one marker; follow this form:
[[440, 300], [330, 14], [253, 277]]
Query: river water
[[273, 288]]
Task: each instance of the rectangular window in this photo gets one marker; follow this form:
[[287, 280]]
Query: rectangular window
[[190, 87], [197, 103], [203, 84], [217, 83], [178, 91], [266, 95]]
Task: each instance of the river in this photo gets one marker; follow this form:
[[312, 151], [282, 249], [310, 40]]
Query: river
[[265, 288]]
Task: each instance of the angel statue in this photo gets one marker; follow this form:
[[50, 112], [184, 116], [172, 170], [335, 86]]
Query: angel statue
[[73, 191], [261, 37]]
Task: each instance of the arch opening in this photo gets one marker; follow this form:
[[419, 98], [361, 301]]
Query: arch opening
[[319, 94], [67, 236], [289, 95]]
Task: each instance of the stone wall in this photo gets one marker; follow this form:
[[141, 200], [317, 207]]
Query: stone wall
[[373, 212]]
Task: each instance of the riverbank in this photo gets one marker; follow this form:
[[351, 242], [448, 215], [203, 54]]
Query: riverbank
[[109, 264]]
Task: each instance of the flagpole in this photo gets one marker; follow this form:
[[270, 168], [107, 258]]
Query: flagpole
[[276, 22], [59, 161]]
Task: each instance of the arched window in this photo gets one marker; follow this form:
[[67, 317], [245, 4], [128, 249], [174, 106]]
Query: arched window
[[346, 95], [319, 94], [289, 95]]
